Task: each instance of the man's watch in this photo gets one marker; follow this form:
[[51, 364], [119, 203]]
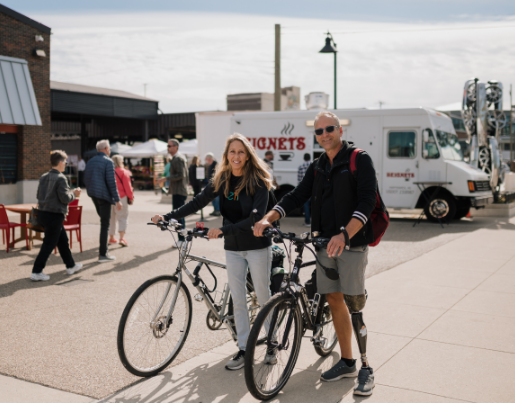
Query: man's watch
[[346, 236]]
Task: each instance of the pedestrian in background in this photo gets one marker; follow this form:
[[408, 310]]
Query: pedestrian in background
[[210, 171], [100, 182], [178, 179], [54, 195], [194, 182], [300, 175], [81, 166], [125, 191]]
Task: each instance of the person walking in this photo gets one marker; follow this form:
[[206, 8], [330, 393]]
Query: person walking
[[54, 195], [125, 191], [81, 166], [178, 179], [243, 184], [210, 171], [300, 175], [100, 182], [341, 209], [194, 182]]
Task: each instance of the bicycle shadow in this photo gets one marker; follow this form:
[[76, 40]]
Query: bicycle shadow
[[211, 382]]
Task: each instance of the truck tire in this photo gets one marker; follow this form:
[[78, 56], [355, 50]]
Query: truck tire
[[461, 212], [440, 208]]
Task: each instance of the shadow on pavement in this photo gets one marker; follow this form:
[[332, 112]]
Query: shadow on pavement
[[136, 261]]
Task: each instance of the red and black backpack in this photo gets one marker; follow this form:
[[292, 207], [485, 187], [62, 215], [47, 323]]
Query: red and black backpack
[[380, 217]]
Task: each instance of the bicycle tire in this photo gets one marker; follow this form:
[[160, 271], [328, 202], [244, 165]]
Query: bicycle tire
[[328, 331], [257, 372], [135, 325]]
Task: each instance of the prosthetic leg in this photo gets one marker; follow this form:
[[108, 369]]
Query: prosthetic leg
[[356, 303]]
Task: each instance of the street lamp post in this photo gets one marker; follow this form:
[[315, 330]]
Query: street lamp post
[[330, 47]]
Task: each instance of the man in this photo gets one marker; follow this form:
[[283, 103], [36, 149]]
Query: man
[[81, 167], [178, 179], [341, 206], [300, 175], [210, 171], [269, 158], [101, 187]]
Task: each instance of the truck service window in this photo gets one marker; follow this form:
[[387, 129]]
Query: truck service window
[[449, 145], [401, 144]]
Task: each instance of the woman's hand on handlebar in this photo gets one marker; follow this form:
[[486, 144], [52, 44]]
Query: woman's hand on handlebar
[[157, 218], [214, 233]]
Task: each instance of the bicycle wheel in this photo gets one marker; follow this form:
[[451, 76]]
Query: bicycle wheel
[[328, 333], [145, 347], [265, 380]]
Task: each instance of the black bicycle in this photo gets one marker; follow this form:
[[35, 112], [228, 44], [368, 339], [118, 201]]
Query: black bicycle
[[287, 315]]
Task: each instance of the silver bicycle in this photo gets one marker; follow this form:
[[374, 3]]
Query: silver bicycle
[[156, 321]]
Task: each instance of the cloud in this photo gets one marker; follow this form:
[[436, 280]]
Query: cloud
[[191, 61]]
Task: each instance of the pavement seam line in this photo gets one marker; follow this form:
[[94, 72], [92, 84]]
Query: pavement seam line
[[426, 393], [466, 346], [434, 321]]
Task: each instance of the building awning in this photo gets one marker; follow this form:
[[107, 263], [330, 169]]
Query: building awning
[[18, 105]]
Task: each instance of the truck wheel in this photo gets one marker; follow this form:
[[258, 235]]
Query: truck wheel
[[441, 207]]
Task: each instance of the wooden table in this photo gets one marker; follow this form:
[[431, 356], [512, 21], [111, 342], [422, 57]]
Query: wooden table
[[24, 210]]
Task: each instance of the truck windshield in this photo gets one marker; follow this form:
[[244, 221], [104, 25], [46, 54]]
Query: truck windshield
[[449, 145]]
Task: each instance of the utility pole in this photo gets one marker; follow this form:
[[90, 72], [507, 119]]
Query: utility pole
[[277, 92]]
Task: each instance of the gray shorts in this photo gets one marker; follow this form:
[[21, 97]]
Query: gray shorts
[[351, 265]]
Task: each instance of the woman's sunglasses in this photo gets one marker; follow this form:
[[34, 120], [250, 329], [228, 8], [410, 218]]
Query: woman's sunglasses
[[328, 129]]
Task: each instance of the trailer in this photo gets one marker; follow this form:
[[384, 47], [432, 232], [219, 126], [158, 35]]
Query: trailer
[[416, 153]]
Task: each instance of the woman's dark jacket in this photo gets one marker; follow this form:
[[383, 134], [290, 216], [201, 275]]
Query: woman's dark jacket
[[354, 195], [54, 193], [238, 236]]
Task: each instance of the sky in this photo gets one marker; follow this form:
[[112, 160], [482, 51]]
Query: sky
[[192, 56]]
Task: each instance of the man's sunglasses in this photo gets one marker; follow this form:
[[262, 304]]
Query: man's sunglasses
[[328, 129]]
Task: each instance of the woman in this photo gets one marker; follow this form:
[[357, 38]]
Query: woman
[[194, 182], [54, 195], [242, 181], [163, 181], [124, 186]]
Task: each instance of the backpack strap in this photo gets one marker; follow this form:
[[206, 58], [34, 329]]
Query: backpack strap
[[353, 168]]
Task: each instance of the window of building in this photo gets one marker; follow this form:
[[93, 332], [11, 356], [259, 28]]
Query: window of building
[[401, 144], [8, 158]]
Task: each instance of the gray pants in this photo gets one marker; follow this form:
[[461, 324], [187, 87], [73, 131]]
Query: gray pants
[[121, 217], [260, 263]]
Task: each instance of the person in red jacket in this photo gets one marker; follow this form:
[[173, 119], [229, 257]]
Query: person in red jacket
[[124, 186]]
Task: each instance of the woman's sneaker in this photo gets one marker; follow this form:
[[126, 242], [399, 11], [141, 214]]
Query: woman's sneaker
[[271, 357], [365, 382], [39, 277], [123, 242], [237, 362], [112, 241], [339, 371]]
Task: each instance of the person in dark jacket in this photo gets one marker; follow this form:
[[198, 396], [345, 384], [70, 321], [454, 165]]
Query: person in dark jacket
[[341, 205], [54, 195], [195, 183], [243, 183], [100, 181], [211, 164]]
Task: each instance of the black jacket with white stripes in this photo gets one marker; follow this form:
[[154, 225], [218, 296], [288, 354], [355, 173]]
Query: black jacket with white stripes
[[354, 195]]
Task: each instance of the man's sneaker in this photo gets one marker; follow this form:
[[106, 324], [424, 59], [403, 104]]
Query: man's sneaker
[[106, 258], [365, 382], [39, 277], [215, 213], [339, 371], [123, 242], [237, 362], [271, 357], [112, 241], [74, 269], [307, 225], [178, 244]]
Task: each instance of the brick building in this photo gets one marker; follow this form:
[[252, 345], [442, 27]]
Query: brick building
[[24, 105]]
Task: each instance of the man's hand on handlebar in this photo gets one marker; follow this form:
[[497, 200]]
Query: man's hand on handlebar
[[214, 233], [336, 245], [157, 218], [265, 222]]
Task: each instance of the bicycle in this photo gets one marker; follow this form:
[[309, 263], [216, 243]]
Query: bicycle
[[156, 321], [290, 313]]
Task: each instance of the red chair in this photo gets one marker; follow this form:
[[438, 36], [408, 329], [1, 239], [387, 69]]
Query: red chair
[[74, 203], [72, 222], [5, 226]]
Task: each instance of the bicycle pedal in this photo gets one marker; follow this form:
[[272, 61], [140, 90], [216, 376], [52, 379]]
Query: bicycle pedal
[[198, 298], [319, 341]]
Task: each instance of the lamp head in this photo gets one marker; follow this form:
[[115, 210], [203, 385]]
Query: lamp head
[[329, 47]]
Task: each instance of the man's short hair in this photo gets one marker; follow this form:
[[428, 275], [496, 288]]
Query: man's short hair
[[327, 115], [210, 155], [57, 156], [102, 144], [269, 153], [174, 142], [307, 157]]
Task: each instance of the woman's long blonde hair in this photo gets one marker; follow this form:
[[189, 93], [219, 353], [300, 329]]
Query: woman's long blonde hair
[[254, 171]]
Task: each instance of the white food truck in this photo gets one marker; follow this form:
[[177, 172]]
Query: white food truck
[[416, 153]]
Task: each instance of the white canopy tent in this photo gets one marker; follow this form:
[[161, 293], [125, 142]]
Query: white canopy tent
[[148, 149], [189, 148], [119, 147]]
